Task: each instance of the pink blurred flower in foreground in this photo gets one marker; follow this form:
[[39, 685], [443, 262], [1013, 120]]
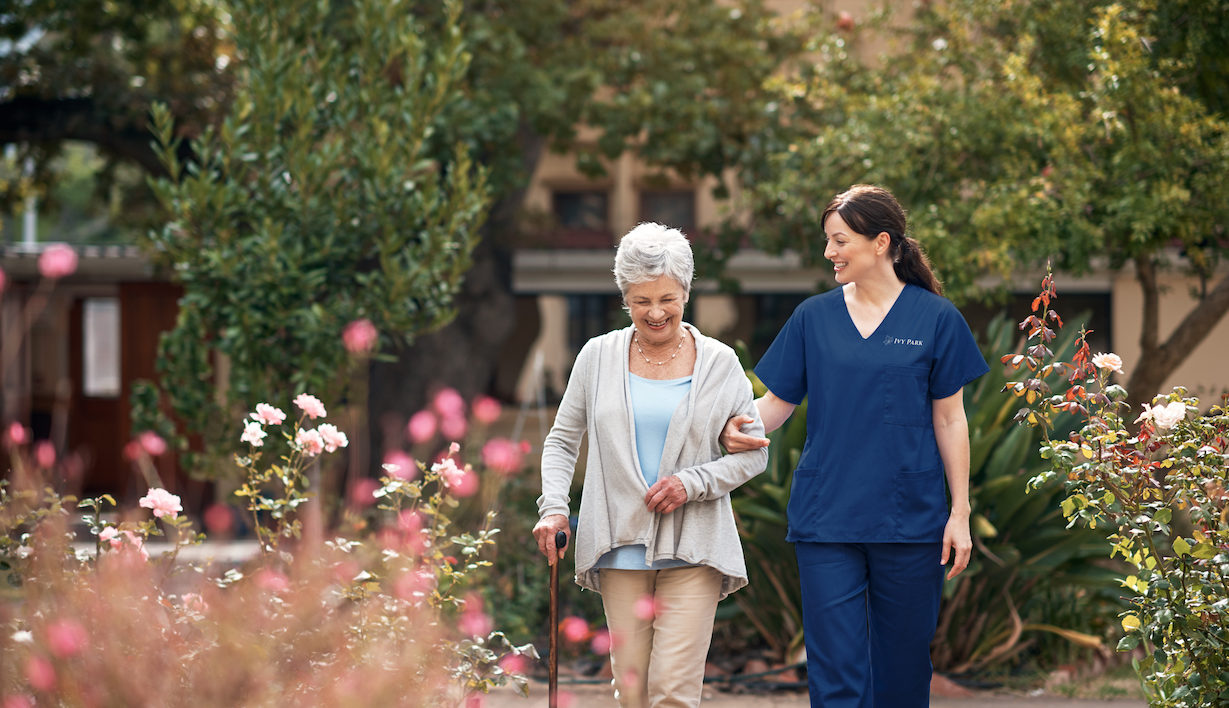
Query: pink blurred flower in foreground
[[1109, 362], [310, 442], [1, 280], [17, 434], [362, 492], [645, 607], [44, 454], [332, 437], [502, 455], [310, 405], [453, 426], [268, 415], [110, 535], [486, 409], [421, 427], [449, 404], [601, 642], [151, 443], [57, 261], [272, 581], [574, 629], [40, 674], [514, 663], [219, 518], [360, 336], [162, 502], [400, 465], [473, 622], [253, 434], [18, 701], [66, 637]]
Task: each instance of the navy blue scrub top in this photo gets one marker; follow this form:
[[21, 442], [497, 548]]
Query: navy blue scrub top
[[870, 470]]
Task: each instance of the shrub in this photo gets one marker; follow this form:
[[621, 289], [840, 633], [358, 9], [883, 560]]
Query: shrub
[[1156, 484], [385, 615]]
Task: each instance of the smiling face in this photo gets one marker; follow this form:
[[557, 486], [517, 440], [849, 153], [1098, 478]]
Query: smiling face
[[853, 255], [656, 307]]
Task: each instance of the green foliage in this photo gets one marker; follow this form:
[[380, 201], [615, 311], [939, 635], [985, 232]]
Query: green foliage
[[1032, 591], [1015, 133], [1159, 492], [320, 199]]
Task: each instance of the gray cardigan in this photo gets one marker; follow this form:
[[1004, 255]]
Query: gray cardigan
[[612, 509]]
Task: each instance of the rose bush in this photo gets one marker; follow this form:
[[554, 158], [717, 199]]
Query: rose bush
[[383, 611], [1157, 484]]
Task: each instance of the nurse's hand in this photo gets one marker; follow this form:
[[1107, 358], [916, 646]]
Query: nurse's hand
[[666, 496], [545, 531], [957, 544], [734, 440]]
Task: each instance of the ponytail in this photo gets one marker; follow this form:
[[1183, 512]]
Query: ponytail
[[912, 265], [871, 210]]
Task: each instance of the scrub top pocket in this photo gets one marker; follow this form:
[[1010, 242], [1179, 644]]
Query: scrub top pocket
[[906, 401]]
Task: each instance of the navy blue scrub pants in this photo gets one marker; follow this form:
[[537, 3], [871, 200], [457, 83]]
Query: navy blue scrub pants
[[869, 611]]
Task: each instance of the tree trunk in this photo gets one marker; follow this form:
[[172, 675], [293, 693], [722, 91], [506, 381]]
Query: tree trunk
[[463, 354], [1158, 360]]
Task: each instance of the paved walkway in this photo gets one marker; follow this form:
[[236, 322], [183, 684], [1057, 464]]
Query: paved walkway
[[593, 696]]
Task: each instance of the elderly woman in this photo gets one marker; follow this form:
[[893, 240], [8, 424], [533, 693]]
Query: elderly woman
[[656, 534]]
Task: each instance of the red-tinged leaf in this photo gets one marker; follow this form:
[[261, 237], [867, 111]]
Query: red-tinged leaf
[[1036, 303]]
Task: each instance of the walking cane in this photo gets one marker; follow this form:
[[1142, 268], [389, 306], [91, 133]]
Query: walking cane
[[552, 690]]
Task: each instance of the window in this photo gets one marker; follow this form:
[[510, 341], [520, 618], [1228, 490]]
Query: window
[[100, 320], [591, 315], [587, 210], [674, 208]]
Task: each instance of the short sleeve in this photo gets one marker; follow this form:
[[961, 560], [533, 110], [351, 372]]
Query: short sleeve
[[783, 367], [958, 360]]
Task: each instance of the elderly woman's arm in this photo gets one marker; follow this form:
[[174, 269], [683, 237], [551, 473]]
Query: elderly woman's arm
[[559, 453], [724, 473]]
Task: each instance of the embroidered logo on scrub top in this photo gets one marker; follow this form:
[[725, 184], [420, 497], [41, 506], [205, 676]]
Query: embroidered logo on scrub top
[[889, 340]]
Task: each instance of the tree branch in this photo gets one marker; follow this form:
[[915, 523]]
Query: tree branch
[[30, 119]]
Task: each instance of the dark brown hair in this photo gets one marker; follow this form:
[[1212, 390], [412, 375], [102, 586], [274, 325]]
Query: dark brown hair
[[871, 210]]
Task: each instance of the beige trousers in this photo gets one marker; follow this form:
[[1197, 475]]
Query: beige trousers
[[661, 623]]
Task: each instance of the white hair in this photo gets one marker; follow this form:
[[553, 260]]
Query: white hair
[[650, 251]]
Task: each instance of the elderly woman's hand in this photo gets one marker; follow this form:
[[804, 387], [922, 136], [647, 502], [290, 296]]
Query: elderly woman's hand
[[545, 531], [733, 439], [666, 496]]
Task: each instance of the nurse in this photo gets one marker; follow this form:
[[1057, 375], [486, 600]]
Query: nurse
[[883, 360]]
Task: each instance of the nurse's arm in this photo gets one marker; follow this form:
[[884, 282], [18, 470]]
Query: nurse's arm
[[773, 411], [952, 435]]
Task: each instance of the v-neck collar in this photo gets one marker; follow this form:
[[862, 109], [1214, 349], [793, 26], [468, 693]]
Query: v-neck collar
[[879, 326]]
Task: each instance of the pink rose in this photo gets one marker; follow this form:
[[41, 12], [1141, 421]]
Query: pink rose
[[502, 455], [17, 434], [40, 674], [162, 502], [360, 336], [645, 607], [475, 624], [137, 542], [66, 637], [268, 415], [333, 438], [253, 434], [219, 518], [421, 427], [462, 482], [453, 427], [449, 404], [601, 642], [151, 443], [574, 629], [110, 535], [310, 442], [1163, 417], [272, 581], [514, 664], [310, 405], [362, 491], [486, 409], [44, 454], [1109, 362], [399, 465], [57, 261]]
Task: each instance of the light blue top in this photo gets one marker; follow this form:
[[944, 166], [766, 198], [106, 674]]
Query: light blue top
[[653, 404]]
